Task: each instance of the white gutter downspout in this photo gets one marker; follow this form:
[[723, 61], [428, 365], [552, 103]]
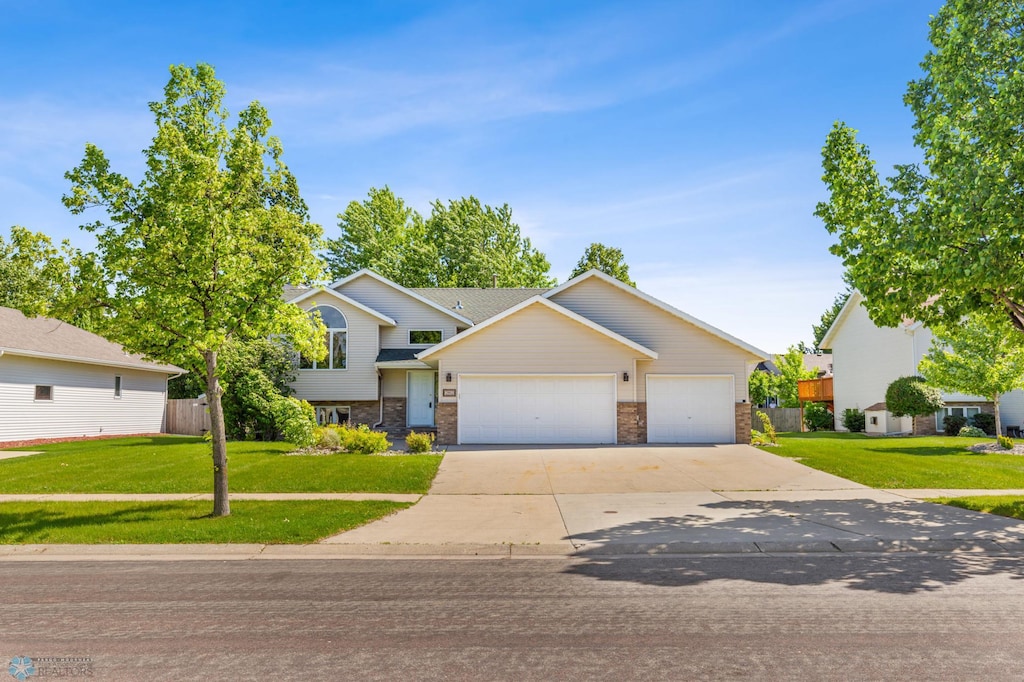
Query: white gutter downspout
[[380, 394]]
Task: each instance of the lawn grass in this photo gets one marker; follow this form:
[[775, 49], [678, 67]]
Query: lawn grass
[[1003, 505], [251, 521], [903, 462], [173, 464]]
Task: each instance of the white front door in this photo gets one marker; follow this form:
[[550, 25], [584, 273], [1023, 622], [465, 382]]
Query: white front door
[[420, 398]]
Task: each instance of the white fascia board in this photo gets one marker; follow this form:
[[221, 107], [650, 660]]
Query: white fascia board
[[402, 364], [700, 324], [342, 297], [844, 312], [534, 300], [159, 369], [399, 287]]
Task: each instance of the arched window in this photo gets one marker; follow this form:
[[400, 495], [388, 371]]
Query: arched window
[[336, 339]]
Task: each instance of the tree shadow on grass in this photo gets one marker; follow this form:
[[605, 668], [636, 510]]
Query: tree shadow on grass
[[936, 451], [17, 527], [750, 529]]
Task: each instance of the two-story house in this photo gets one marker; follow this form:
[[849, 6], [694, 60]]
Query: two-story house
[[591, 361]]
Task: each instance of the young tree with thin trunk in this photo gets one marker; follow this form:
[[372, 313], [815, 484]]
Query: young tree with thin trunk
[[197, 252]]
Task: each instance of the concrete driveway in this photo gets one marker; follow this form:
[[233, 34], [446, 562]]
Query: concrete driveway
[[625, 499]]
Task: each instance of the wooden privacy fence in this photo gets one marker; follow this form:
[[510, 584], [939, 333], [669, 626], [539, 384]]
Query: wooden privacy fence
[[783, 418], [187, 417]]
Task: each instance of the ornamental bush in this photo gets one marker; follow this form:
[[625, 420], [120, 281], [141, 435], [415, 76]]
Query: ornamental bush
[[953, 423], [419, 442], [912, 397], [362, 441], [295, 419], [853, 420], [766, 437], [971, 432], [1005, 442], [818, 418], [328, 438], [985, 421]]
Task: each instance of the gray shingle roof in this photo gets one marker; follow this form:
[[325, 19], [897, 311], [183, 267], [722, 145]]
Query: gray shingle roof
[[47, 337], [478, 304], [397, 354], [291, 292]]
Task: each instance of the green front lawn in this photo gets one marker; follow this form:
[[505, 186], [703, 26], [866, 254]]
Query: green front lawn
[[992, 504], [906, 462], [172, 464], [251, 521]]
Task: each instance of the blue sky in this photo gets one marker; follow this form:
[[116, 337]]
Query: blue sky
[[686, 133]]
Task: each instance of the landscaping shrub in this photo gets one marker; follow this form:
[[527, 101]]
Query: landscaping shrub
[[327, 438], [766, 437], [971, 432], [295, 419], [419, 442], [912, 397], [361, 440], [853, 419], [818, 418], [1005, 442], [986, 422], [953, 423]]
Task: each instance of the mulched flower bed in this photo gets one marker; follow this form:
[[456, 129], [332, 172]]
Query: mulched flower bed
[[995, 449], [70, 439]]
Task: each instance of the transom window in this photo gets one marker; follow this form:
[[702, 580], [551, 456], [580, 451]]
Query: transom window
[[335, 340], [424, 337], [956, 411]]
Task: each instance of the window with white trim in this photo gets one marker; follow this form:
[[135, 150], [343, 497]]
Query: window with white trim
[[425, 337], [44, 392], [117, 385], [335, 340], [958, 411]]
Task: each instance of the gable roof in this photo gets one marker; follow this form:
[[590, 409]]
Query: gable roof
[[551, 305], [478, 304], [46, 337], [342, 297], [661, 305], [398, 287]]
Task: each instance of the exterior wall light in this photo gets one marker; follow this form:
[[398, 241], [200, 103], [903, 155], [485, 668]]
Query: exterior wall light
[[625, 376], [448, 378]]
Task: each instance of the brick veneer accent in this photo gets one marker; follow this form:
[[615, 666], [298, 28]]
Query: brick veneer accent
[[631, 424], [394, 412], [363, 412], [743, 423], [925, 426], [447, 417]]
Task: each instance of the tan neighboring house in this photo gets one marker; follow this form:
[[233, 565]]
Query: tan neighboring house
[[591, 361], [57, 381], [867, 358]]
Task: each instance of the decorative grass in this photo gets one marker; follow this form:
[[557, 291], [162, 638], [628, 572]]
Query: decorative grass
[[1003, 505], [174, 464], [903, 462], [251, 521]]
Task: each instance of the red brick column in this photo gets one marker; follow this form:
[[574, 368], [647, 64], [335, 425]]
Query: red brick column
[[447, 416], [743, 419]]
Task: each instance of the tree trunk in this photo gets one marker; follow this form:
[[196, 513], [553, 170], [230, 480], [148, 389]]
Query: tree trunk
[[999, 426], [221, 504]]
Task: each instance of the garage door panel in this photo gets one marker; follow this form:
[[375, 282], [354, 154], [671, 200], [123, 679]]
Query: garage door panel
[[537, 409], [690, 409]]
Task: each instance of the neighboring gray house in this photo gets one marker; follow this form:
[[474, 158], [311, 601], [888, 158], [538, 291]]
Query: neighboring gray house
[[591, 361], [57, 380]]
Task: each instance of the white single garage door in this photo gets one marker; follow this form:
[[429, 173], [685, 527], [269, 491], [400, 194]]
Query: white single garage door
[[537, 409], [690, 409]]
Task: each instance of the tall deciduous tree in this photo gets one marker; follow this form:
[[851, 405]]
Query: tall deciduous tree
[[828, 317], [955, 229], [383, 234], [607, 259], [791, 364], [977, 357], [197, 252]]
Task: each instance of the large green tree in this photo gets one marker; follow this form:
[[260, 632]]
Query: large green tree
[[384, 234], [791, 365], [977, 357], [939, 242], [828, 317], [195, 254], [607, 259]]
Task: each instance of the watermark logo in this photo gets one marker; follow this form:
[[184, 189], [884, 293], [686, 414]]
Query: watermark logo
[[21, 668]]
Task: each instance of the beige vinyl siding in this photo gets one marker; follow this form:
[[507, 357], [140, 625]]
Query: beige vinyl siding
[[83, 400], [408, 312], [682, 347], [393, 382], [538, 340], [359, 380]]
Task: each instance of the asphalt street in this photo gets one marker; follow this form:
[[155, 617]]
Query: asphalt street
[[917, 616]]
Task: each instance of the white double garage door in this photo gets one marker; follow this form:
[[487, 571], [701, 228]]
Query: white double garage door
[[576, 408]]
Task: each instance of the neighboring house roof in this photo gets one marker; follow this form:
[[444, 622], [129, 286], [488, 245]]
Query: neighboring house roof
[[45, 337], [309, 293], [714, 331], [539, 300], [398, 287], [767, 366], [877, 407], [478, 304], [818, 362]]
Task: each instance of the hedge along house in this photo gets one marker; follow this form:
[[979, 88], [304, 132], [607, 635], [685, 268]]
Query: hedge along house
[[59, 381], [591, 361]]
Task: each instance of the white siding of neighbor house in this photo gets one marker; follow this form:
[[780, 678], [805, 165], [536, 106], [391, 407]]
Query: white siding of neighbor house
[[83, 400], [408, 312], [682, 347], [359, 380], [537, 340]]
